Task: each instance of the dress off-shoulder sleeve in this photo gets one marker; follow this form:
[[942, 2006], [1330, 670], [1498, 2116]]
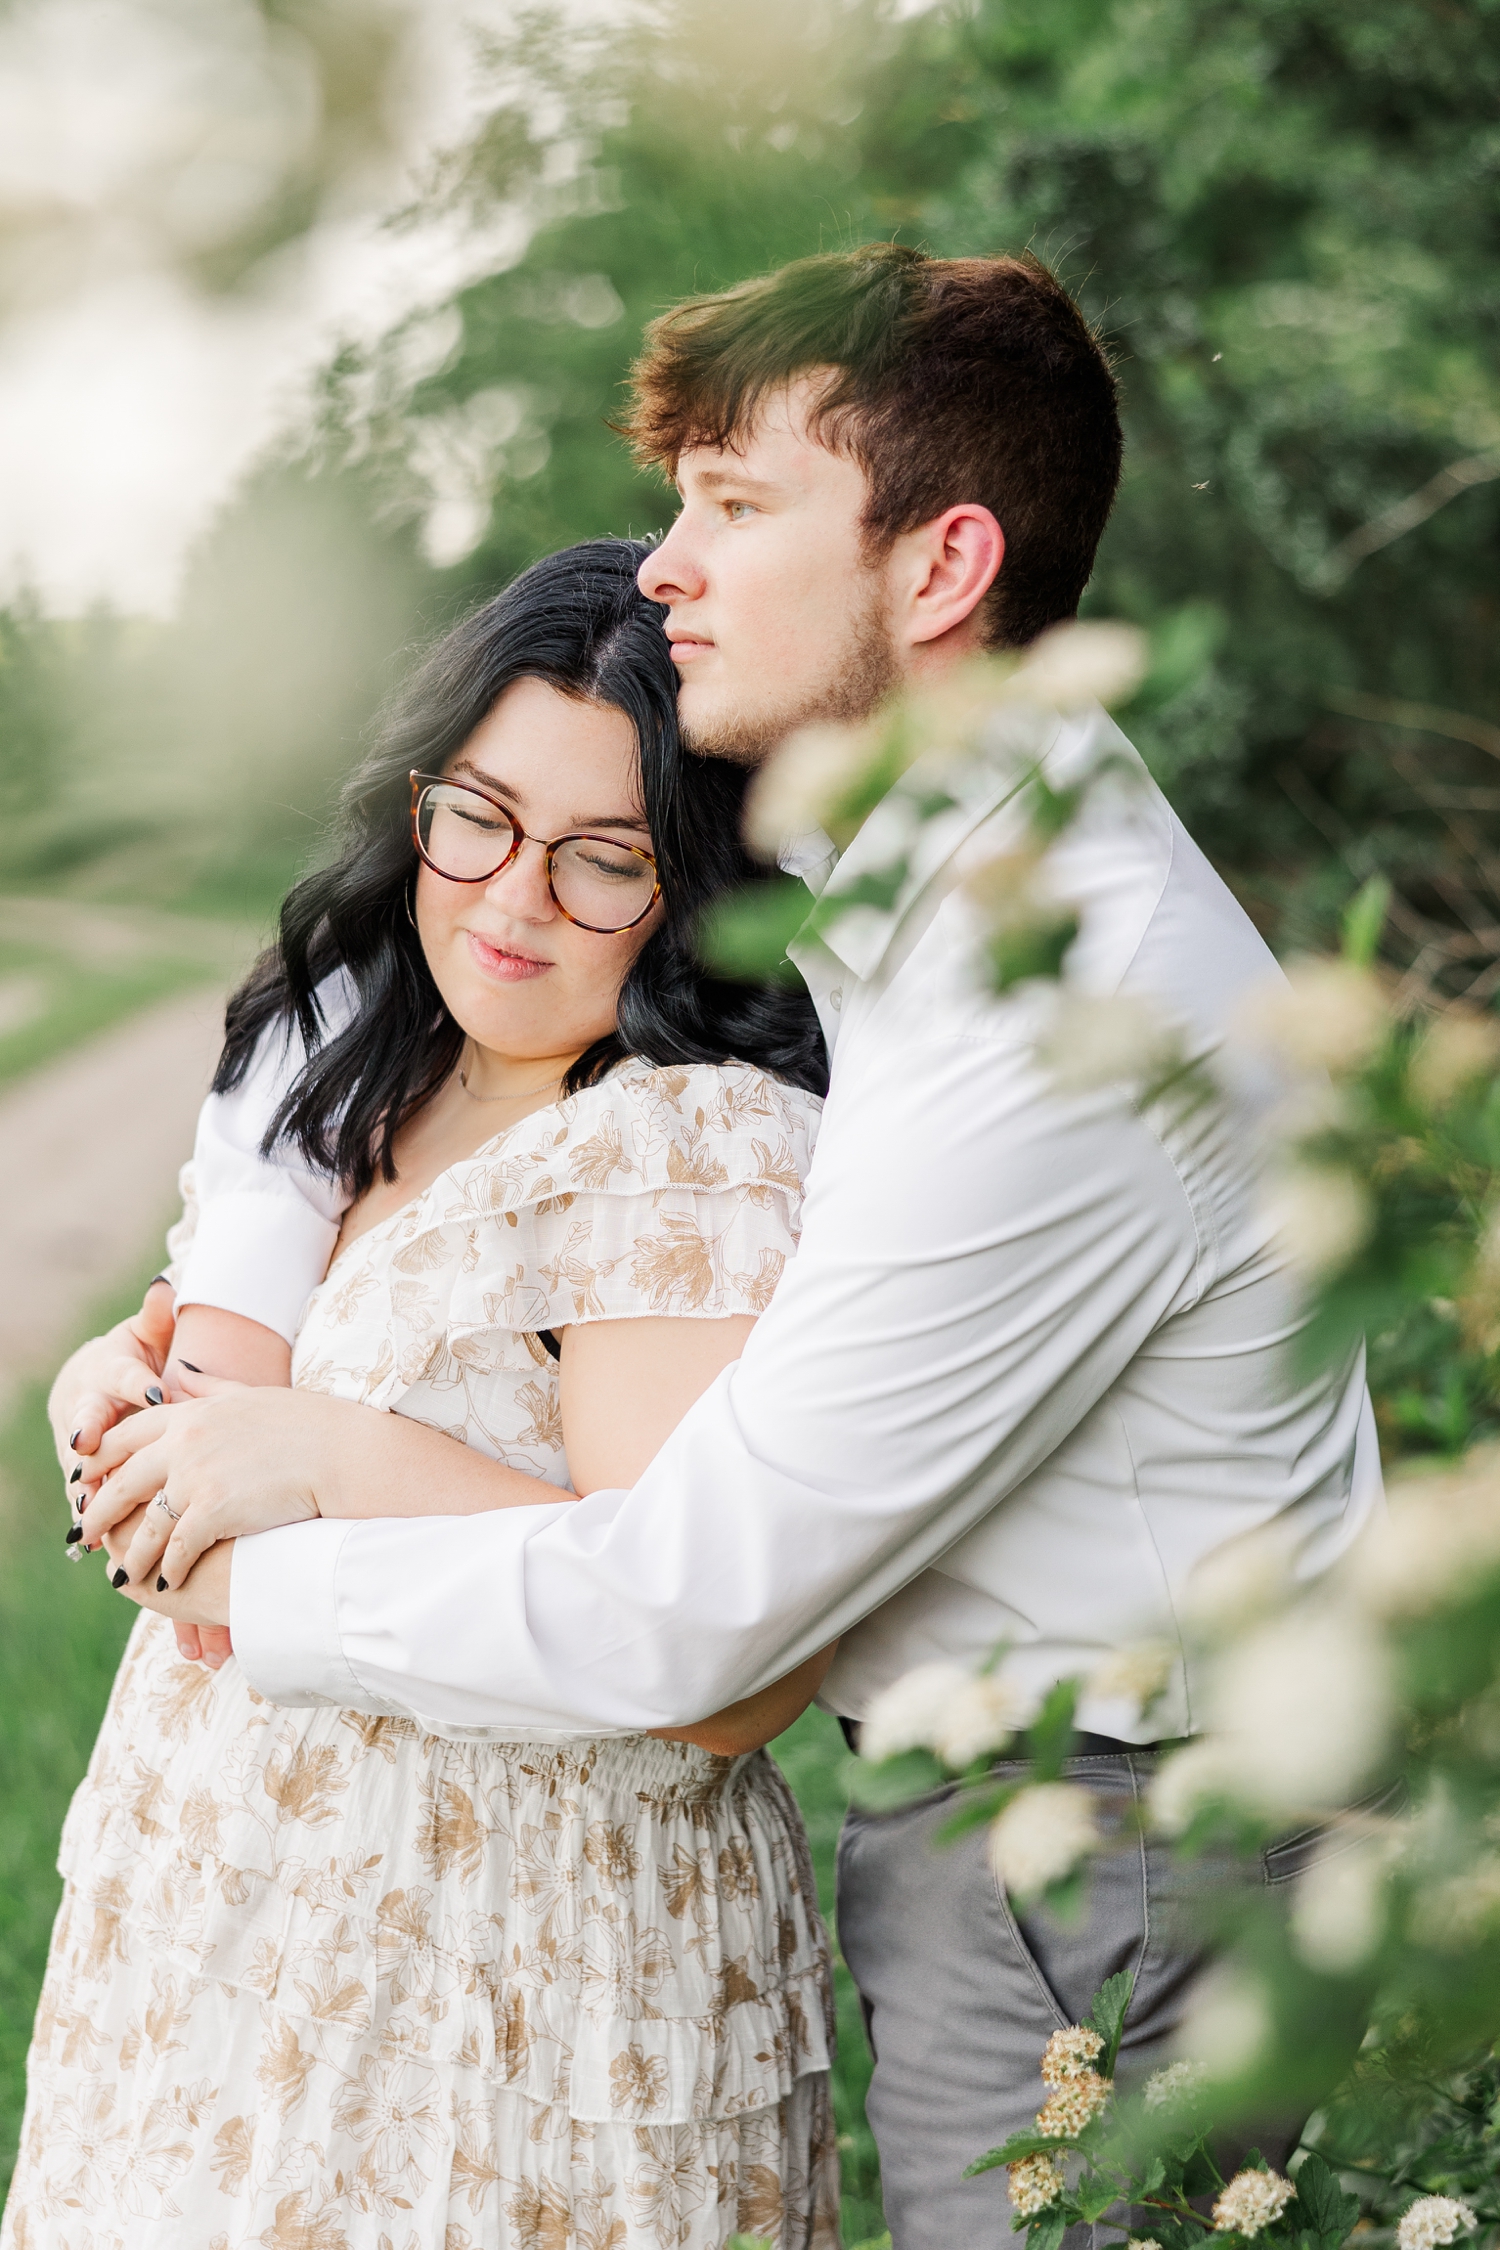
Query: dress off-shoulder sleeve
[[659, 1192]]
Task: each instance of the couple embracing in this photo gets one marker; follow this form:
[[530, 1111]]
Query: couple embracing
[[597, 1393]]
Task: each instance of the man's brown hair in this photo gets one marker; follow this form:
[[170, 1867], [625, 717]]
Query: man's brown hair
[[955, 379]]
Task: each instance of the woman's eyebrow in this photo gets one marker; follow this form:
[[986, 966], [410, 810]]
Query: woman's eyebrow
[[632, 821]]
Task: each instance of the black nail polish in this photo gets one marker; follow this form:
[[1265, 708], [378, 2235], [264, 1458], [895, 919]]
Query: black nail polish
[[77, 1473], [187, 1363], [77, 1434], [120, 1577], [74, 1535], [161, 1585], [153, 1395]]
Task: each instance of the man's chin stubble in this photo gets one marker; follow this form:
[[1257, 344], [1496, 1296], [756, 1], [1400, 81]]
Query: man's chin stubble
[[865, 672]]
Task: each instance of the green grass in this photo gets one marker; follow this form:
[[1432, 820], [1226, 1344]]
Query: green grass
[[69, 971], [61, 1632]]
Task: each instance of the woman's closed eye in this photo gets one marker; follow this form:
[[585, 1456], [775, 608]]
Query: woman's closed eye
[[615, 864]]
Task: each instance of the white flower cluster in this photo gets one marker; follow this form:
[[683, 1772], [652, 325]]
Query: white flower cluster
[[1135, 1675], [1251, 2202], [1106, 1039], [1175, 2086], [1071, 2053], [1438, 1537], [1299, 1710], [1032, 2183], [1063, 2115], [820, 768], [1432, 2220], [1456, 1049], [1324, 1015], [1041, 1836], [958, 1714]]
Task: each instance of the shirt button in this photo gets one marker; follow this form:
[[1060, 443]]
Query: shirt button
[[836, 998]]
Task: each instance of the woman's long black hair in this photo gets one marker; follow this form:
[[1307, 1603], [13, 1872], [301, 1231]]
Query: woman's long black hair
[[579, 622]]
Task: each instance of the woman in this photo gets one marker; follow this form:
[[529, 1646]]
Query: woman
[[320, 1980]]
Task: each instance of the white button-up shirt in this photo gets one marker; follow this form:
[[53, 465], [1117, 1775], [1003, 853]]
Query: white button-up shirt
[[1028, 1368]]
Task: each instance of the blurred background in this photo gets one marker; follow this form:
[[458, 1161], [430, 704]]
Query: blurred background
[[313, 317]]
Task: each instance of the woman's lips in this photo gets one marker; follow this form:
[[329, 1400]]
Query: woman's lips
[[499, 962]]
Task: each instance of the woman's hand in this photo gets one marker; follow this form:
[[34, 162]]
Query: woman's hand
[[242, 1459], [111, 1376]]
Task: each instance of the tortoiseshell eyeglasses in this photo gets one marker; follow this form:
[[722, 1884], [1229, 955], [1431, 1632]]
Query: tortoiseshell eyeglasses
[[467, 836]]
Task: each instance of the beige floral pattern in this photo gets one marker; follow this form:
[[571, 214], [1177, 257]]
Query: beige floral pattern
[[321, 1981]]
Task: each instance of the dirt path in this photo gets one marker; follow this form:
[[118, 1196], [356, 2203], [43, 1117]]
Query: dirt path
[[89, 1151]]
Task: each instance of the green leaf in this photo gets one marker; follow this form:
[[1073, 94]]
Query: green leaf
[[1039, 950], [1107, 2016], [974, 1809], [894, 1781], [1364, 919], [1049, 1738], [1019, 2145], [1322, 2204], [1094, 2194], [1047, 2231], [747, 934]]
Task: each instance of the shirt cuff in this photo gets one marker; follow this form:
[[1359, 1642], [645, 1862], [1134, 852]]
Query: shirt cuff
[[258, 1255], [283, 1616]]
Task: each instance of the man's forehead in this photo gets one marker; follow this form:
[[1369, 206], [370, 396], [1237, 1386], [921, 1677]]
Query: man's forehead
[[778, 445]]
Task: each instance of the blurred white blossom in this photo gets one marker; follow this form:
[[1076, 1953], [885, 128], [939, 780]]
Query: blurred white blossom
[[981, 1715], [1301, 1708], [1436, 1541], [1460, 1911], [1434, 2219], [908, 1714], [1174, 2087], [1228, 2023], [1071, 2053], [1251, 2202], [802, 786], [1077, 664], [1320, 1214], [1239, 1582], [1041, 1836], [1135, 1675], [1325, 1015], [1338, 1912], [1033, 2183], [1456, 1049], [1184, 1783], [1110, 1039]]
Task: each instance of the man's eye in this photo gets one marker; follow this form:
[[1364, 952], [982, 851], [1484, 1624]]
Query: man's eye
[[738, 510]]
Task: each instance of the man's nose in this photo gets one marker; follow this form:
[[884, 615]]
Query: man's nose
[[670, 573]]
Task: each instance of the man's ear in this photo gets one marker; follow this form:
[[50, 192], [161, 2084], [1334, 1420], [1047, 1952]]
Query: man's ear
[[942, 571]]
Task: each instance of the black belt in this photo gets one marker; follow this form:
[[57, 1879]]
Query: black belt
[[1084, 1745]]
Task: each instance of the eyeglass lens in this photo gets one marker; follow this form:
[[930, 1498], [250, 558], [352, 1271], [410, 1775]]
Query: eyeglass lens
[[605, 886]]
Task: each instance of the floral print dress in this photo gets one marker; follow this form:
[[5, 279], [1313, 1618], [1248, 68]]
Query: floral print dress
[[321, 1980]]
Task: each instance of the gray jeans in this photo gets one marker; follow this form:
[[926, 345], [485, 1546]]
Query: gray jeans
[[961, 1993]]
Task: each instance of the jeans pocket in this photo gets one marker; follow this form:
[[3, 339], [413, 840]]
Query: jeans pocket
[[1291, 1856]]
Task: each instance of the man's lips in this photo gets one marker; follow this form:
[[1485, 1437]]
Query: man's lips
[[506, 964], [686, 648]]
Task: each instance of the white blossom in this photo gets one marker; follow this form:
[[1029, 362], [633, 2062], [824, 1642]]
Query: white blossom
[[1071, 2053], [1228, 2022], [1461, 1911], [1113, 1039], [1320, 1215], [1187, 1781], [1143, 2242], [1457, 1049], [1251, 2202], [1324, 1015], [1438, 1537], [1076, 2103], [1175, 2086], [1041, 1835], [1076, 664], [1338, 1912], [1301, 1707], [1434, 2219], [1238, 1582], [1032, 2183], [981, 1715], [803, 784], [1135, 1674], [909, 1713]]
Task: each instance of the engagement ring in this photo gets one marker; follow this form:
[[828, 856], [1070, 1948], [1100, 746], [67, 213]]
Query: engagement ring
[[163, 1502]]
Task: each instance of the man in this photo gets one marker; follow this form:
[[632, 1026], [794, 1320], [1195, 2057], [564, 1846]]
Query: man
[[1028, 1367]]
